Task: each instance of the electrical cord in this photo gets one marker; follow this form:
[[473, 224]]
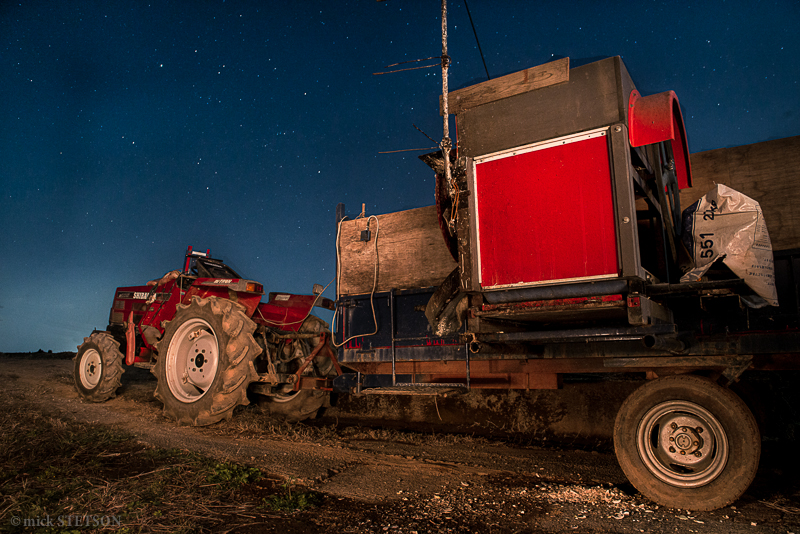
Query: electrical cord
[[338, 279], [374, 279], [278, 323]]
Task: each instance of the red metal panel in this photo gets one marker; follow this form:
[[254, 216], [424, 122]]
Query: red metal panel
[[285, 311], [547, 214], [656, 118]]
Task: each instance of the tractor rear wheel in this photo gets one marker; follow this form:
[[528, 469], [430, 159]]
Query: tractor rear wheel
[[98, 367], [686, 442], [205, 361]]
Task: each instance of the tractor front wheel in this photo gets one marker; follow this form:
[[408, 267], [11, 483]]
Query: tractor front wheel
[[98, 367], [205, 361]]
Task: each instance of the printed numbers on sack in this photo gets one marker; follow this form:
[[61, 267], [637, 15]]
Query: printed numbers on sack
[[707, 244]]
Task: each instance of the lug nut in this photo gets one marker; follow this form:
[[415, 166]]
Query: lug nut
[[683, 453], [672, 449], [699, 429], [695, 443], [698, 454], [673, 426], [671, 438]]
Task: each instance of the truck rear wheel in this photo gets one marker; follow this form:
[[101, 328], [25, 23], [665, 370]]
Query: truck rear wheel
[[205, 361], [98, 367], [686, 442]]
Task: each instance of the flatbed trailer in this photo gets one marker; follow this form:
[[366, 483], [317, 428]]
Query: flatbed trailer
[[556, 249]]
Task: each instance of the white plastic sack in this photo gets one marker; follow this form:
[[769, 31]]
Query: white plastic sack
[[729, 226]]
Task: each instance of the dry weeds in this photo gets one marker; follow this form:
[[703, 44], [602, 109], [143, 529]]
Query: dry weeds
[[67, 471]]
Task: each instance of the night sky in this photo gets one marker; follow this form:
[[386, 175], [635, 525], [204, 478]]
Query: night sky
[[132, 129]]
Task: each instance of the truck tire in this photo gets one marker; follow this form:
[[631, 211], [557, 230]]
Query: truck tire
[[295, 406], [98, 367], [686, 442], [205, 361]]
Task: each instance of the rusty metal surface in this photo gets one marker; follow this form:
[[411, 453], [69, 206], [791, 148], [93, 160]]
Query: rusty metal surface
[[277, 378], [546, 310], [578, 335], [322, 348], [694, 362], [442, 390]]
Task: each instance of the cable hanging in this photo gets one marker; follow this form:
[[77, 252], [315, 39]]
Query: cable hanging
[[475, 33]]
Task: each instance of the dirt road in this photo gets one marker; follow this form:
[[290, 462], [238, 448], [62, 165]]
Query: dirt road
[[390, 481]]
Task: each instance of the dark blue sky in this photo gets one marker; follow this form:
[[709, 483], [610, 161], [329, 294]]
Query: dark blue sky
[[132, 129]]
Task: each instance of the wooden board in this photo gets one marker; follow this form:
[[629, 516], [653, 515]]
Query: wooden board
[[411, 252], [506, 86], [768, 172]]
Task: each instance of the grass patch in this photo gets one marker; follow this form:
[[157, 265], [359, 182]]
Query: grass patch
[[233, 476], [288, 501]]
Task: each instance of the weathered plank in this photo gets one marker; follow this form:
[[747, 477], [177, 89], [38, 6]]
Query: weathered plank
[[769, 172], [411, 252], [506, 86]]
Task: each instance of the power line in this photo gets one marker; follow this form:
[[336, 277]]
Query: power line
[[476, 39]]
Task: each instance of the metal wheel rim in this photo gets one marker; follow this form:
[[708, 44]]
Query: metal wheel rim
[[91, 368], [192, 360], [695, 431]]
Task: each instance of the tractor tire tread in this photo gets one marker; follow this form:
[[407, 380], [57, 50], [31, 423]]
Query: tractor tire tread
[[111, 374]]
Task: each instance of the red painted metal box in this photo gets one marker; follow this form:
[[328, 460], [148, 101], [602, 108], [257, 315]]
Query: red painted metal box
[[545, 213]]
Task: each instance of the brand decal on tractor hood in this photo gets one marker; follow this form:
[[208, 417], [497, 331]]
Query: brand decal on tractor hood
[[138, 295], [223, 281]]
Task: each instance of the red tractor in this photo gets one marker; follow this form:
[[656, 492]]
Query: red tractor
[[209, 339]]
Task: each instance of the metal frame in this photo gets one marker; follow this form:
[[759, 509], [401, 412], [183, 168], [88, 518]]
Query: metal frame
[[625, 204], [628, 254]]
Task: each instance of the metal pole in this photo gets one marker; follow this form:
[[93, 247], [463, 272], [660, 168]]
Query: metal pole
[[446, 142], [394, 349]]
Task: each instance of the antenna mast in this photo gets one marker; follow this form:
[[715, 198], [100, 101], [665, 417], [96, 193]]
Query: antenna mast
[[446, 144]]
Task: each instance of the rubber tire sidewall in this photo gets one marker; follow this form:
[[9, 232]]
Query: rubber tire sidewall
[[744, 442], [304, 405], [235, 371]]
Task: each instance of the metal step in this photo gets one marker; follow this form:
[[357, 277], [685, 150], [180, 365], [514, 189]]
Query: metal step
[[417, 389]]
